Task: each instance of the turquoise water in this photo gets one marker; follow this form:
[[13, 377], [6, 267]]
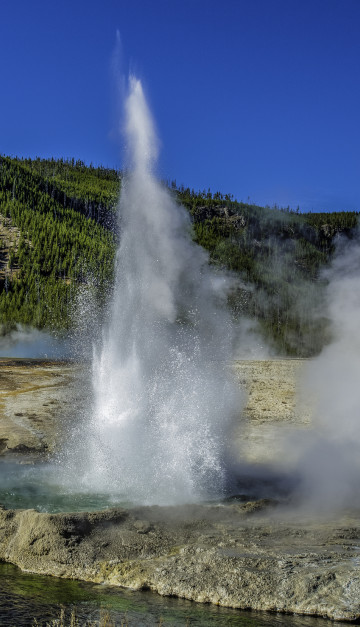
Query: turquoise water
[[39, 486], [25, 597], [27, 486]]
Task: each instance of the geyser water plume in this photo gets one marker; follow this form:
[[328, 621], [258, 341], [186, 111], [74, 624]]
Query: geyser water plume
[[164, 396]]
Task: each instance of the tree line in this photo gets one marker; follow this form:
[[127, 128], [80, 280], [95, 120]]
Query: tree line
[[65, 212], [59, 208]]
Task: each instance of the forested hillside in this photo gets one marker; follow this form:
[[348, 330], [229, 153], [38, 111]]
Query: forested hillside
[[58, 234], [62, 214], [279, 255]]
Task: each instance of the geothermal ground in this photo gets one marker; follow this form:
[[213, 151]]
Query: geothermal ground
[[247, 552], [38, 398]]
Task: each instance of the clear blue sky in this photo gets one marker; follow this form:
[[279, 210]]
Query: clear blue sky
[[258, 98]]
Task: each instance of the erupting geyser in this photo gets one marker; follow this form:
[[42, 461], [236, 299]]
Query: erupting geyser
[[164, 397]]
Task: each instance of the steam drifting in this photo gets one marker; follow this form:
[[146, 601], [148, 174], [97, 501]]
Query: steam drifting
[[164, 399], [330, 469], [27, 342]]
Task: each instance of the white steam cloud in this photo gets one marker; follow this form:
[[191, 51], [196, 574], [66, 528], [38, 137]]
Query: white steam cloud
[[330, 468], [30, 343]]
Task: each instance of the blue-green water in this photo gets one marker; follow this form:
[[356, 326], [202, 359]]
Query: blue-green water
[[25, 598], [38, 486], [43, 486]]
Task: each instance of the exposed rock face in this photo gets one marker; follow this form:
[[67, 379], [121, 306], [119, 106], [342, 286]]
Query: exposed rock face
[[222, 555], [9, 241], [206, 212]]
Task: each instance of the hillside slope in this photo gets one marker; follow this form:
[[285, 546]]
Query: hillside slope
[[58, 235], [279, 255]]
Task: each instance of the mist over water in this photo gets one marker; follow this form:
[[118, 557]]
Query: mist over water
[[163, 393]]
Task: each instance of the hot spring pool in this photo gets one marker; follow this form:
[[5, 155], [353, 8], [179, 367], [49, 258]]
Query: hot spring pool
[[44, 487], [28, 486]]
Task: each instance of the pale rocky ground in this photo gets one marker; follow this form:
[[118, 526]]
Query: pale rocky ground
[[37, 398], [242, 553], [275, 409], [235, 555]]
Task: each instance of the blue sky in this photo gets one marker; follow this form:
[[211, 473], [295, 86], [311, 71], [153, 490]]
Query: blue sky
[[258, 98]]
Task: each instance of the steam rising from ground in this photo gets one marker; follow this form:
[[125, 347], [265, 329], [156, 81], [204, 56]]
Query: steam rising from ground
[[164, 399], [27, 342], [330, 468]]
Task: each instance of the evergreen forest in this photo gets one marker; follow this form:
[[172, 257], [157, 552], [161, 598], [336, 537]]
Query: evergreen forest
[[58, 234]]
